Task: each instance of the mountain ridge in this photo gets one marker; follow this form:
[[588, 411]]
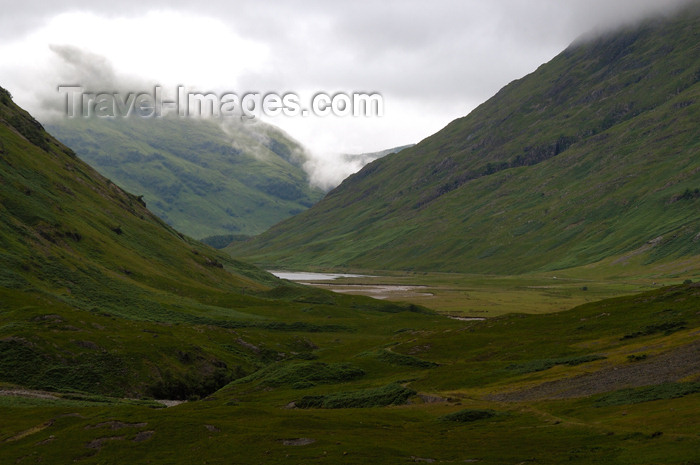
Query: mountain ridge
[[559, 169]]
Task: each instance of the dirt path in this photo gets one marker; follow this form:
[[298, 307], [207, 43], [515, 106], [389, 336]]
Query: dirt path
[[28, 393], [670, 366], [34, 394]]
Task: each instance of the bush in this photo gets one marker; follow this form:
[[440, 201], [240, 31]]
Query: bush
[[403, 360], [545, 364], [192, 385], [468, 415], [648, 394], [301, 375], [219, 242], [391, 394], [666, 328]]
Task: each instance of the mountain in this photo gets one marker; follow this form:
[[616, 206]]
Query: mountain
[[99, 295], [205, 177], [104, 308], [592, 157]]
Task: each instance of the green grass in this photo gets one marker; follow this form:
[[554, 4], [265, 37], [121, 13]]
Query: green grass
[[469, 415], [391, 394], [665, 328], [648, 394], [460, 294], [403, 360], [532, 366], [305, 374], [386, 414]]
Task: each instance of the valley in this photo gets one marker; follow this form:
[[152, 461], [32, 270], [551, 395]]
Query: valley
[[460, 294], [591, 160], [522, 287]]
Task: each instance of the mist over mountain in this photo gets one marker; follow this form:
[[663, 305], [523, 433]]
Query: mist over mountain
[[203, 176], [594, 156], [328, 171]]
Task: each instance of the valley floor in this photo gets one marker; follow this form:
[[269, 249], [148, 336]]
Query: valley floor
[[472, 295]]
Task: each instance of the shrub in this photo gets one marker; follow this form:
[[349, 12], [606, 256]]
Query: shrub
[[666, 328], [391, 394], [545, 364], [403, 360], [468, 415], [648, 394], [301, 375]]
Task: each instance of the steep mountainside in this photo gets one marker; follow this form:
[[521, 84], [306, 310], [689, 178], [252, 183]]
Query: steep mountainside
[[594, 155], [204, 177], [99, 295]]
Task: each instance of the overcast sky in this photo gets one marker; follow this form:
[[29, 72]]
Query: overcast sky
[[432, 61]]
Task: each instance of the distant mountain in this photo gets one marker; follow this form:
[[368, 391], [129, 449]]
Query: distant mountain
[[204, 177], [596, 155]]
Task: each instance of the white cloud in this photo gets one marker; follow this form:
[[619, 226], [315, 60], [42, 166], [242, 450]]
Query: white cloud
[[432, 62]]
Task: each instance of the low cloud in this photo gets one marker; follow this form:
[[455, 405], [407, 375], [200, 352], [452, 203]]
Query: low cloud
[[95, 73], [328, 170], [431, 65]]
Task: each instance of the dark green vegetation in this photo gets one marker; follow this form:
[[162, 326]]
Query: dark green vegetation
[[392, 394], [594, 156], [403, 360], [301, 375], [102, 304], [541, 365], [104, 308], [204, 177], [99, 295], [648, 394], [349, 407], [223, 240], [468, 415]]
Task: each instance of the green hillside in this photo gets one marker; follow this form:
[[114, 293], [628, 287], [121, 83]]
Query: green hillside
[[595, 155], [107, 313], [205, 177], [90, 278]]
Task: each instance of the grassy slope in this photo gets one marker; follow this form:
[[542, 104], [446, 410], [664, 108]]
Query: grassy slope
[[203, 177], [100, 298], [97, 294], [586, 158], [454, 366]]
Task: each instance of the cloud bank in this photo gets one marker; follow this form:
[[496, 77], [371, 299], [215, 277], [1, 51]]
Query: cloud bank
[[431, 62]]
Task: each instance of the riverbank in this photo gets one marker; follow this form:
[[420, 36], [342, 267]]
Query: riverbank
[[465, 295]]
